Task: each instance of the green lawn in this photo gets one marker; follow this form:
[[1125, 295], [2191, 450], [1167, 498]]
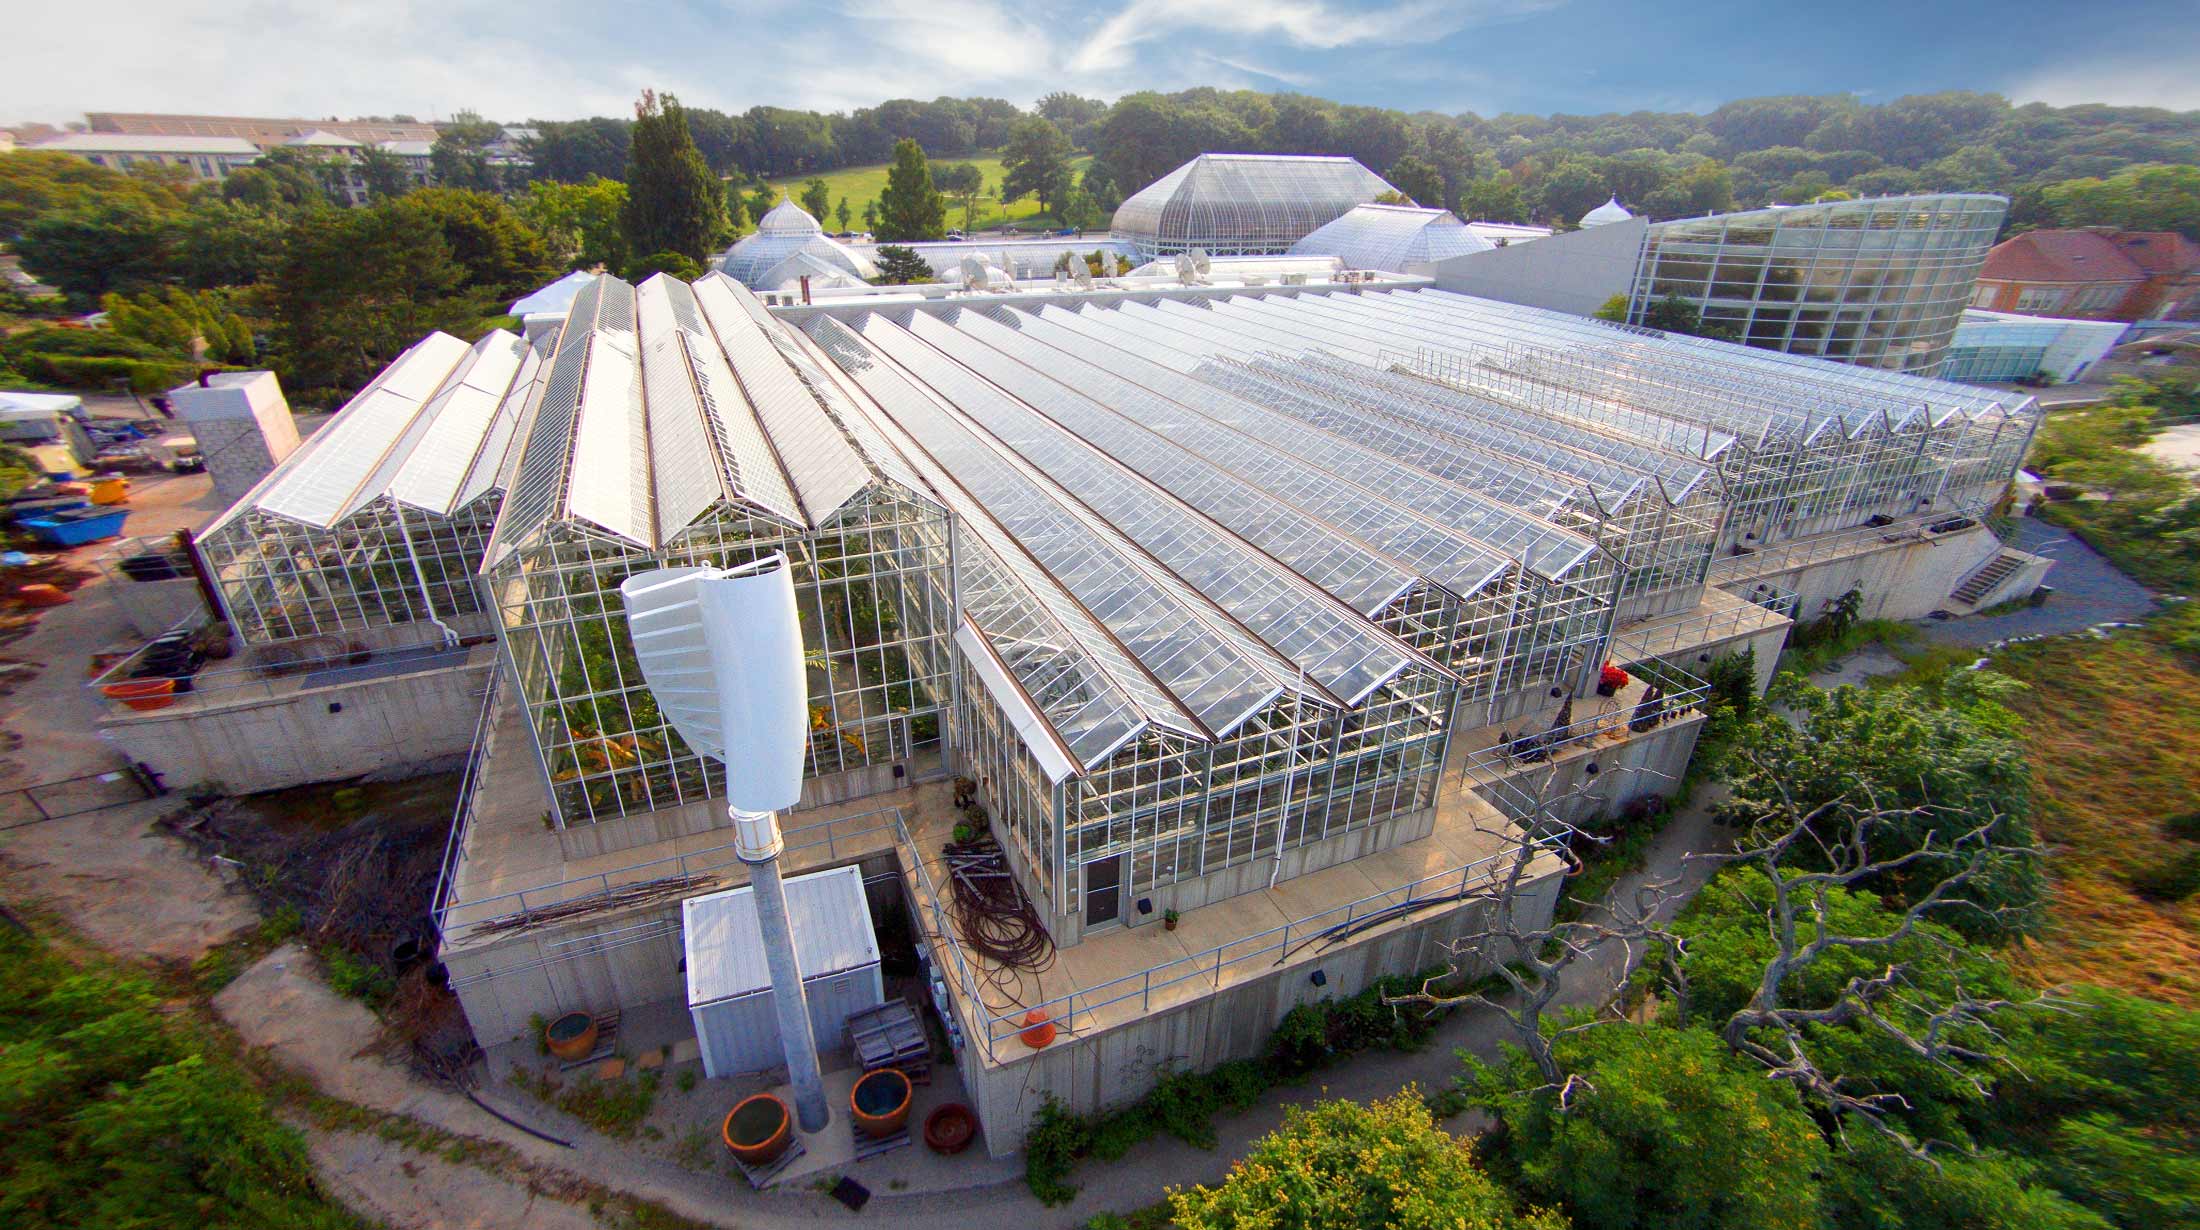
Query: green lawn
[[860, 184]]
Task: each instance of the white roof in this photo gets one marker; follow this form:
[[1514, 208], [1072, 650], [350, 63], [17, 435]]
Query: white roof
[[555, 299], [1610, 211], [409, 149], [139, 143], [16, 407], [725, 948], [329, 139], [1396, 238]]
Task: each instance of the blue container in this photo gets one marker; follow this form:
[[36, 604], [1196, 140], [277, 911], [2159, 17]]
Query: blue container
[[76, 527]]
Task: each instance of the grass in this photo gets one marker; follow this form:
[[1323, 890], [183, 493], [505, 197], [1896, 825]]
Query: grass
[[2113, 735], [860, 184], [1810, 651], [614, 1107]]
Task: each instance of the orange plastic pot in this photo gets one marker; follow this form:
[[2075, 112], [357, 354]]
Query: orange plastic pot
[[571, 1036], [143, 695], [1038, 1029], [880, 1102], [757, 1129]]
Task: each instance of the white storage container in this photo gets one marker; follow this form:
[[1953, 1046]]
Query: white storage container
[[730, 987]]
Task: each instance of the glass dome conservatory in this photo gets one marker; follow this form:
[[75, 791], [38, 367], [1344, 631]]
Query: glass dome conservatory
[[1243, 204], [789, 245]]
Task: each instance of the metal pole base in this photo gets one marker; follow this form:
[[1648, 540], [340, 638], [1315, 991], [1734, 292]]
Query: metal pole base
[[789, 1002]]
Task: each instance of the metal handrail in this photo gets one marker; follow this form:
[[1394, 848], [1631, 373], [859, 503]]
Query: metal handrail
[[1784, 556], [1678, 700], [1660, 637], [462, 817], [671, 866], [232, 682], [1065, 1010]]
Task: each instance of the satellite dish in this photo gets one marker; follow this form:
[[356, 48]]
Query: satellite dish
[[1200, 261], [972, 269], [1187, 270], [721, 649], [1082, 276]]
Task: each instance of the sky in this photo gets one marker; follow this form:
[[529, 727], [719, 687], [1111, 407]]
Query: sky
[[561, 59]]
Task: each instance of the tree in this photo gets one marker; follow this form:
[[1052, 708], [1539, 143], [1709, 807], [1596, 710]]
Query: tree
[[1658, 1129], [1673, 314], [2141, 198], [34, 183], [353, 289], [870, 215], [579, 222], [900, 266], [673, 202], [285, 179], [503, 257], [910, 208], [1906, 771], [1495, 199], [963, 183], [383, 172], [841, 213], [460, 156], [817, 199], [1344, 1166], [572, 151], [671, 263], [1035, 163], [1418, 180], [1569, 190], [123, 245], [761, 199], [1099, 183]]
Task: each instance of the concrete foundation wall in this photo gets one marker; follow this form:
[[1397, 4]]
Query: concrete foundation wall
[[624, 959], [1097, 1071], [671, 823], [1644, 764], [322, 734], [1906, 580]]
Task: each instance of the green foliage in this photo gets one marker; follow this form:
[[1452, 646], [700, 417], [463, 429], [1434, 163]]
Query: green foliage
[[662, 262], [1344, 1166], [1036, 163], [615, 1107], [1940, 763], [578, 221], [909, 207], [2147, 197], [1673, 314], [357, 978], [1418, 180], [817, 199], [1051, 1148], [1874, 1186], [118, 245], [460, 156], [1664, 1129], [900, 266], [115, 1119], [674, 203], [502, 256], [2172, 881]]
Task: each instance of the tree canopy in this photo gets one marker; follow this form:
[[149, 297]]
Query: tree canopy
[[909, 207], [673, 201]]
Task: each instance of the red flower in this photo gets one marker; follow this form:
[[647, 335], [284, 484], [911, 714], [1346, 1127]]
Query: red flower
[[1612, 677]]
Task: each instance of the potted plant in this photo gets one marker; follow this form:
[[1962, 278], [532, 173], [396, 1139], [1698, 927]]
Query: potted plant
[[571, 1036], [1168, 920], [757, 1129], [950, 1128], [1610, 680], [880, 1101]]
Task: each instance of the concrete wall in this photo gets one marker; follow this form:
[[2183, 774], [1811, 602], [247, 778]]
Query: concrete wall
[[294, 736], [1113, 1067], [1575, 272], [1905, 580], [1644, 764], [580, 841], [622, 959]]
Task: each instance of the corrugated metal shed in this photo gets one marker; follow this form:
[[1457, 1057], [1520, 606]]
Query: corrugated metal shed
[[725, 951]]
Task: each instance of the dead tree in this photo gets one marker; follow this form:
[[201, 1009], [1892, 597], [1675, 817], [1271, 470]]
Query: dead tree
[[1945, 1025], [1532, 955]]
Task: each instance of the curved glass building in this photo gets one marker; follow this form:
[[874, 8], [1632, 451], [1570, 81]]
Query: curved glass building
[[1242, 204], [1397, 238], [789, 245], [1880, 282]]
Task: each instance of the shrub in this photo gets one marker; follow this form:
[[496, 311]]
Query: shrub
[[2171, 881], [1051, 1150], [356, 978], [2186, 826]]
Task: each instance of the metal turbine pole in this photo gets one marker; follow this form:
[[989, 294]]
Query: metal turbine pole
[[757, 843]]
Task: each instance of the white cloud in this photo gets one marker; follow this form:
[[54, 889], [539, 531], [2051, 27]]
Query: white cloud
[[2158, 77], [1314, 24]]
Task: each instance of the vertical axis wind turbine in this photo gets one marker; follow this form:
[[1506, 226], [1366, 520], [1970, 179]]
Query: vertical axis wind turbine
[[721, 649]]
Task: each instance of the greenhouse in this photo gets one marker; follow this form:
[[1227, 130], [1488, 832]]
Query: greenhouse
[[372, 532], [1397, 238], [676, 429], [789, 245], [1805, 448], [1242, 204]]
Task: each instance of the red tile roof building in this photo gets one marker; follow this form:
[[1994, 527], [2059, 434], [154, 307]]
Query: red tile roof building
[[2093, 275]]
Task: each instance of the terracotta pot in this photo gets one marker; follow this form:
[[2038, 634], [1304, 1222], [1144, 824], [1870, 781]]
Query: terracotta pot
[[571, 1036], [880, 1102], [950, 1128], [757, 1129], [1038, 1029], [144, 695]]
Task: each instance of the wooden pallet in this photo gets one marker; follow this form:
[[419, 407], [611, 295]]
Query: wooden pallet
[[868, 1146], [760, 1177], [891, 1035], [607, 1043]]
